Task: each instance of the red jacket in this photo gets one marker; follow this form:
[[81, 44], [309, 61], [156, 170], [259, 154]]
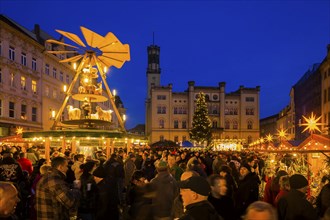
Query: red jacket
[[26, 165]]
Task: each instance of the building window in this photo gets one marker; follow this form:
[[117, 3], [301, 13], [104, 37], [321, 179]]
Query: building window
[[175, 110], [12, 79], [234, 137], [176, 139], [235, 125], [207, 98], [184, 138], [250, 125], [249, 111], [159, 110], [180, 110], [34, 87], [231, 111], [214, 124], [23, 83], [23, 59], [184, 110], [163, 110], [227, 124], [215, 97], [161, 97], [235, 111], [0, 75], [249, 99], [176, 124], [47, 69], [23, 112], [61, 76], [161, 123], [34, 64], [11, 109], [54, 73], [226, 111], [47, 91], [0, 107], [324, 96], [67, 79], [184, 124], [161, 138], [54, 94], [34, 114], [11, 53]]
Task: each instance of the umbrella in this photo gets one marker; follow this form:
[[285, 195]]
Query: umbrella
[[187, 144]]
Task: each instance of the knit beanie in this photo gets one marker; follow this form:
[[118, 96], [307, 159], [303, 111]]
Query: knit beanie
[[247, 166], [298, 181]]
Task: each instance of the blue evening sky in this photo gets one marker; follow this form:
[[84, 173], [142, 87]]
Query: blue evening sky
[[250, 43]]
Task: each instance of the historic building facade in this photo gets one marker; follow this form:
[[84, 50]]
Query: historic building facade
[[32, 81], [234, 115], [311, 94], [325, 100]]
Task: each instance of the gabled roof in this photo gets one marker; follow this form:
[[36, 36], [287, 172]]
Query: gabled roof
[[19, 27]]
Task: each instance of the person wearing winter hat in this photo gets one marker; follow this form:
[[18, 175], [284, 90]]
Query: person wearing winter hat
[[247, 191], [106, 199], [194, 192], [294, 204]]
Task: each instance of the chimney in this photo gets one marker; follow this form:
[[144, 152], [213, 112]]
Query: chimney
[[37, 30]]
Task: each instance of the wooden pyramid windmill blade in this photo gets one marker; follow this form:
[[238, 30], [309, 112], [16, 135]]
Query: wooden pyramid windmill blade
[[97, 51]]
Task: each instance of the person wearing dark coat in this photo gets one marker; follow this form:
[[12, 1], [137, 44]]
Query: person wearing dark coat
[[106, 197], [87, 206], [138, 198], [218, 197], [194, 192], [248, 190], [294, 205], [323, 200]]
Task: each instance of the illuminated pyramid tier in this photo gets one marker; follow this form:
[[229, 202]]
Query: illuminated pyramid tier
[[93, 62]]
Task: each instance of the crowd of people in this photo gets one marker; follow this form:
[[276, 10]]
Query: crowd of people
[[149, 184]]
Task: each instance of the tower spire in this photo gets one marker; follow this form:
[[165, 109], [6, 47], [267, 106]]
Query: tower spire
[[153, 38]]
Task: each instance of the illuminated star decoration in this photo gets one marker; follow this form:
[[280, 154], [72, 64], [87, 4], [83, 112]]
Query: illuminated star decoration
[[311, 124], [269, 138], [19, 130], [281, 133]]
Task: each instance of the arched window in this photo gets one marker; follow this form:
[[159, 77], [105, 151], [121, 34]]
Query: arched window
[[250, 125], [161, 123], [227, 124], [184, 124], [176, 124], [235, 124], [249, 139], [214, 124], [235, 137]]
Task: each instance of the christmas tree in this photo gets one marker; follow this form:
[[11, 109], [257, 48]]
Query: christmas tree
[[201, 125]]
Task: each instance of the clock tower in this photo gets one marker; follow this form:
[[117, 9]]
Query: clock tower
[[153, 69]]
